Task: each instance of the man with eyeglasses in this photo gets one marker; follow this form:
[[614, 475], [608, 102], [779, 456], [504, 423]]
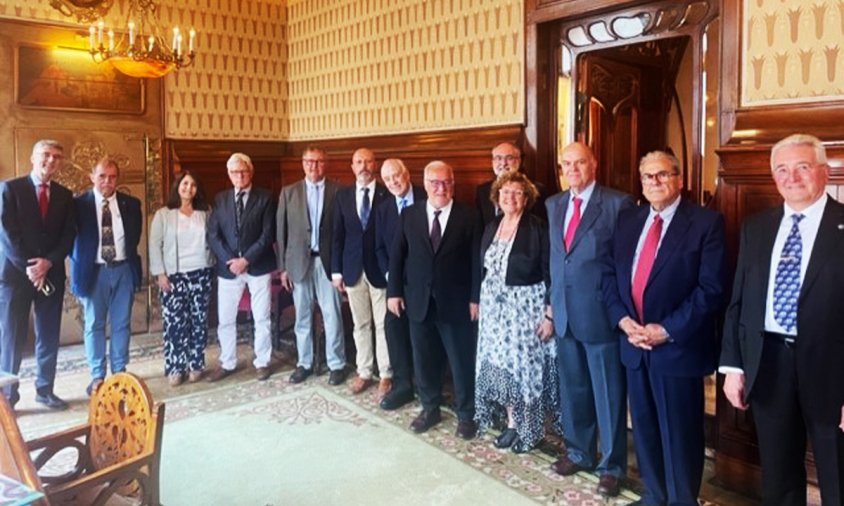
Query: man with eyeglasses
[[506, 157], [354, 270], [783, 349], [37, 227], [664, 289], [303, 242], [593, 405], [241, 234], [435, 276]]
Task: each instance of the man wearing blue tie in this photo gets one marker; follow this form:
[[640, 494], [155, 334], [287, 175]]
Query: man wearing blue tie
[[783, 350]]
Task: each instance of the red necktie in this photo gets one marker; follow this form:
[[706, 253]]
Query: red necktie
[[645, 264], [573, 223], [43, 202]]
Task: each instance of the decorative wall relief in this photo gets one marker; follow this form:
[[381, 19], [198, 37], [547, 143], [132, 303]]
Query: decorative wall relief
[[793, 51]]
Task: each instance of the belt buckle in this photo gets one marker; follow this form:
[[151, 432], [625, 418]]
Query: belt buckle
[[789, 342]]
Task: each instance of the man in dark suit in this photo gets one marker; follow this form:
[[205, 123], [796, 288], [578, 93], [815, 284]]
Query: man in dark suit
[[106, 269], [506, 157], [303, 242], [664, 288], [783, 351], [396, 178], [593, 402], [36, 233], [240, 233], [435, 275], [354, 269]]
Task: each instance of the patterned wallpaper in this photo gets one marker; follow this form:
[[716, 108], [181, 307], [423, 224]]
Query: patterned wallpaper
[[363, 67], [793, 51]]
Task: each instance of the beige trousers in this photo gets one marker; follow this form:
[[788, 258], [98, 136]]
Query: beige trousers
[[369, 303]]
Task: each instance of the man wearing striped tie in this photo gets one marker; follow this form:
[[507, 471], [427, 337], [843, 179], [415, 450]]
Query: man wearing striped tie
[[592, 391], [664, 290], [783, 345]]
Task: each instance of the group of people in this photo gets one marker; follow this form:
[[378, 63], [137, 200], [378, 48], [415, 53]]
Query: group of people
[[584, 302]]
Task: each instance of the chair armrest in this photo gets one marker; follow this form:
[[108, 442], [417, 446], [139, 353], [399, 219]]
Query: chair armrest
[[113, 478]]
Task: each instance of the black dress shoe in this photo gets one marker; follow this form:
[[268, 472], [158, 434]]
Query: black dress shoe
[[520, 446], [506, 438], [466, 429], [51, 401], [337, 377], [425, 420], [609, 485], [300, 375], [396, 399]]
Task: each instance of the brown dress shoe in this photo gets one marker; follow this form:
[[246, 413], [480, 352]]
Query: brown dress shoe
[[360, 384], [609, 485], [565, 467], [466, 429], [384, 387], [425, 420], [262, 373], [176, 379], [218, 374], [194, 376]]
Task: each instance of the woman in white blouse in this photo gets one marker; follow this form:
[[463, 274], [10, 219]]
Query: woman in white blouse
[[180, 260]]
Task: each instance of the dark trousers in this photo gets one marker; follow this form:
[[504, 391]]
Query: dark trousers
[[16, 299], [397, 330], [782, 423], [667, 415], [437, 343]]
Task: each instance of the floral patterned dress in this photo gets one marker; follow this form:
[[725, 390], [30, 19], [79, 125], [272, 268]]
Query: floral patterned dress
[[514, 367]]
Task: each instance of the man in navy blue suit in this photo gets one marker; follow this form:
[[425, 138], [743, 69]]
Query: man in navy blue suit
[[36, 234], [593, 400], [354, 270], [664, 288], [106, 268], [396, 178]]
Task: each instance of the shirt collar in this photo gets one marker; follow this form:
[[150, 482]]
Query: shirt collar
[[35, 180], [667, 213], [586, 194], [813, 211], [318, 185]]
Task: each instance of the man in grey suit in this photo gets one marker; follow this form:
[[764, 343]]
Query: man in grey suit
[[592, 387], [304, 254]]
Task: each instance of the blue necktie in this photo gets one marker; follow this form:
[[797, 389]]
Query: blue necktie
[[364, 208], [402, 204], [787, 280]]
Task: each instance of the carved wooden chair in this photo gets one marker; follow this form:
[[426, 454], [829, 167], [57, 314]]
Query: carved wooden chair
[[14, 456], [118, 452]]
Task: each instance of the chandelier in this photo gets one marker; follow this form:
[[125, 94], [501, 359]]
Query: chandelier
[[142, 51], [85, 11]]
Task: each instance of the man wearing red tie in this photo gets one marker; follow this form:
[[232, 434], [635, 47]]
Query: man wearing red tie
[[592, 388], [664, 288], [37, 228]]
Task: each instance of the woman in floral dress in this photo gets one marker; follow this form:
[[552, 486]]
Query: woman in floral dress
[[516, 376]]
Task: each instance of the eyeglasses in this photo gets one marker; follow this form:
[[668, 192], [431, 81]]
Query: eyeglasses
[[511, 193], [440, 183], [503, 158], [312, 161], [662, 177], [239, 172]]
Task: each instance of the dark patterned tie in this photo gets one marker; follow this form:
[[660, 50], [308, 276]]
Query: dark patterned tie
[[107, 235], [787, 280], [365, 206], [436, 231], [238, 212]]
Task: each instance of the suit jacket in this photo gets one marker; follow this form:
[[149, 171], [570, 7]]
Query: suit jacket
[[83, 259], [684, 293], [528, 260], [352, 246], [386, 223], [486, 210], [576, 275], [819, 350], [257, 231], [293, 224], [451, 275], [24, 235]]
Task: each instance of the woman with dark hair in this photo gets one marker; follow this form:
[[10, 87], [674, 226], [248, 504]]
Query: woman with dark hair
[[180, 260], [516, 375]]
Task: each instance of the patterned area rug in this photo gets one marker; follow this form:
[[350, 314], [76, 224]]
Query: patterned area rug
[[311, 444]]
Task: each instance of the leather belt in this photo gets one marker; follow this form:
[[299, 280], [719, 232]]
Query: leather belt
[[787, 340], [111, 265], [314, 253]]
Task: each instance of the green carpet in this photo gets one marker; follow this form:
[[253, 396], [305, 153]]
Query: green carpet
[[311, 447]]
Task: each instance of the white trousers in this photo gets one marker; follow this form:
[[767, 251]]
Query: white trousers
[[229, 292]]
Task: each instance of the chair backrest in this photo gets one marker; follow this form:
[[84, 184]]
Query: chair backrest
[[123, 419], [14, 455]]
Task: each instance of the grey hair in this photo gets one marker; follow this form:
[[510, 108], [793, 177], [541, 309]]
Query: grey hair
[[800, 140], [656, 156], [47, 143], [395, 162], [435, 164], [239, 158]]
